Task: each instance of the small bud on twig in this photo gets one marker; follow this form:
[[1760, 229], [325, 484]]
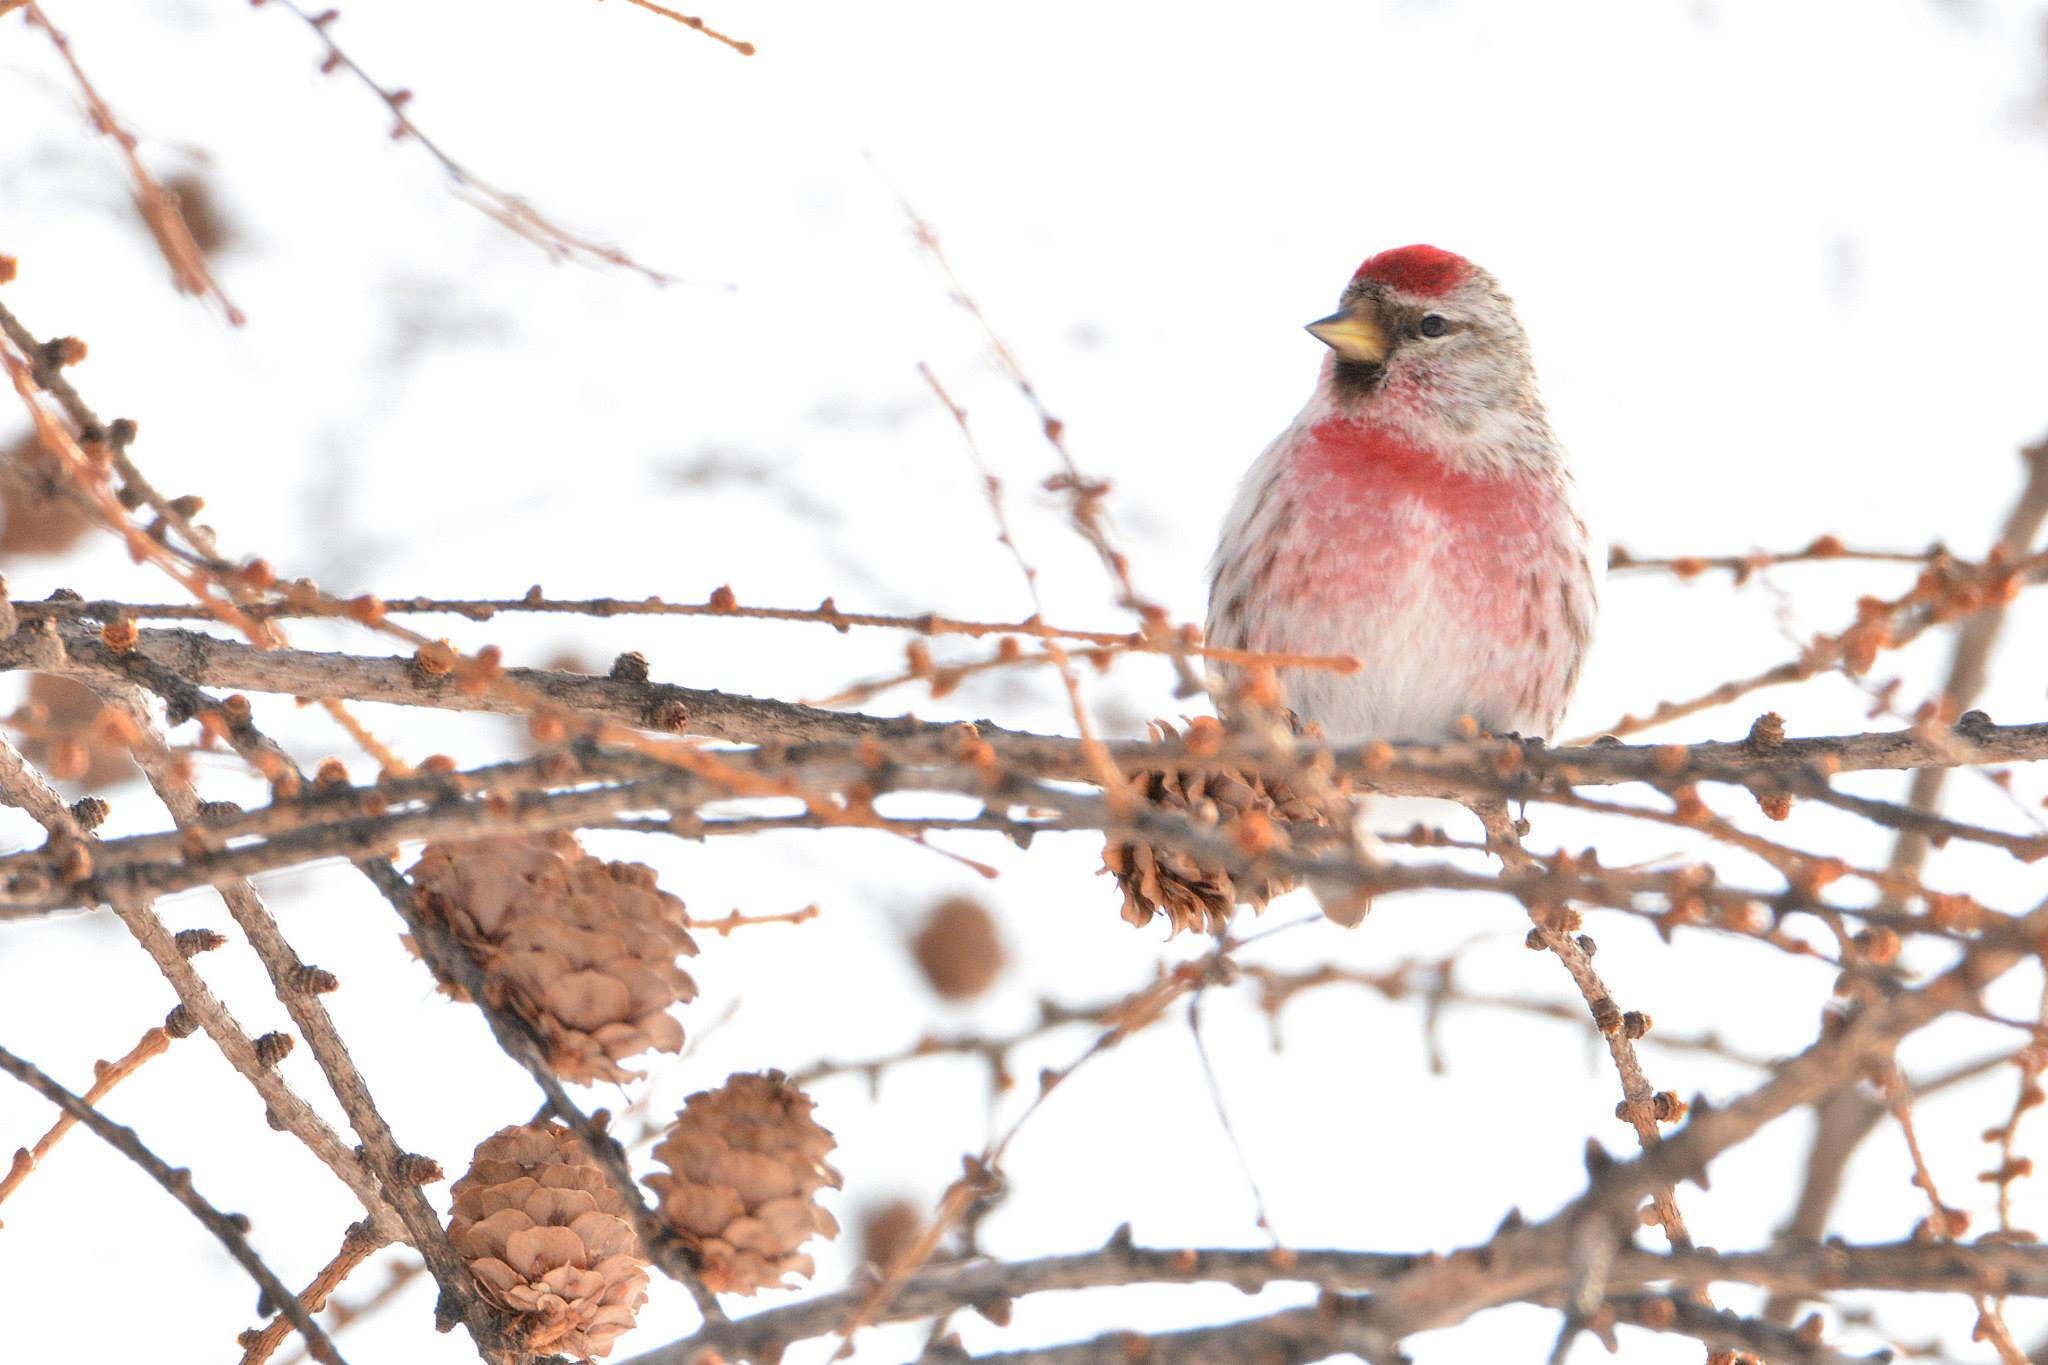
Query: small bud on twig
[[192, 942]]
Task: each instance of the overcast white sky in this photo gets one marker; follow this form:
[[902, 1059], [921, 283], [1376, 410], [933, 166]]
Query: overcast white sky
[[1783, 269]]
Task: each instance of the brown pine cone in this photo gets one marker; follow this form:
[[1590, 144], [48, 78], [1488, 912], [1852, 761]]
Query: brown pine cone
[[958, 948], [551, 1244], [583, 950], [746, 1162], [61, 733], [37, 517], [886, 1230], [1198, 891]]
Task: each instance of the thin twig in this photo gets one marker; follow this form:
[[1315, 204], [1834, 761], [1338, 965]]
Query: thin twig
[[1821, 549], [1947, 591], [692, 21], [160, 208], [105, 1076], [507, 209], [358, 1244]]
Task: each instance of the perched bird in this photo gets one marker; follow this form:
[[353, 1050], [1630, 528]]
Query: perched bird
[[1418, 516]]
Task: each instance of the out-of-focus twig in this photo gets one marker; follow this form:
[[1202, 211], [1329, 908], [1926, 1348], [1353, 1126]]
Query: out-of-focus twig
[[1944, 1224], [1820, 550], [345, 1315], [982, 1174], [941, 678], [159, 206], [1054, 652], [1085, 495], [508, 209], [692, 21], [725, 924]]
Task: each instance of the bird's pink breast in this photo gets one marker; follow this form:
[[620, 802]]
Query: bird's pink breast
[[1369, 502], [1460, 594]]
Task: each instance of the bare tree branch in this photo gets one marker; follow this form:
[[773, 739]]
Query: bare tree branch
[[937, 1291]]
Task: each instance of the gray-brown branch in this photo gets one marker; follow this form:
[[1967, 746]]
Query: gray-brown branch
[[1901, 1267]]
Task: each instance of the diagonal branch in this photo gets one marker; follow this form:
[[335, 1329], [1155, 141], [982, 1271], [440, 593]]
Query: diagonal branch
[[106, 1075], [401, 1210], [179, 1182], [199, 1007]]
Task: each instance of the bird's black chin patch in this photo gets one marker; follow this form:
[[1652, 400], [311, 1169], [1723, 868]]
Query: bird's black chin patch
[[1358, 377]]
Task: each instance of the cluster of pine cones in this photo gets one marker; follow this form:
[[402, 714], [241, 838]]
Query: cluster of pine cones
[[584, 951], [552, 1244]]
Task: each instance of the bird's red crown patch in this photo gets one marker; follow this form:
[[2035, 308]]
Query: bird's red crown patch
[[1424, 270]]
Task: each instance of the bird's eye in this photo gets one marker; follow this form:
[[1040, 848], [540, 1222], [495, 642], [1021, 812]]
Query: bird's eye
[[1434, 325]]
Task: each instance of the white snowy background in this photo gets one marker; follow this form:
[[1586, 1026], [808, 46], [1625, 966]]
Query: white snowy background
[[1783, 265]]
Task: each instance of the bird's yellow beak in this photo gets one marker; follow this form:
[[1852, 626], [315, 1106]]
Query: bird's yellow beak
[[1352, 336]]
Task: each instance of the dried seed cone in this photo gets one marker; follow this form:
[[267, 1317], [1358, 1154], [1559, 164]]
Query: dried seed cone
[[1198, 891], [549, 1241], [582, 949], [746, 1163], [62, 733], [37, 517], [958, 948], [887, 1229]]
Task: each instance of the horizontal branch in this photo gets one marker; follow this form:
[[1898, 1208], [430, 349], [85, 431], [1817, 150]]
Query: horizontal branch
[[1292, 1336], [1726, 1333], [1899, 1267], [1827, 548], [210, 661], [1486, 767], [583, 786], [1298, 1336], [720, 604]]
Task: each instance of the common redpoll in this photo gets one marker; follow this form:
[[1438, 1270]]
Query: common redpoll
[[1418, 516]]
